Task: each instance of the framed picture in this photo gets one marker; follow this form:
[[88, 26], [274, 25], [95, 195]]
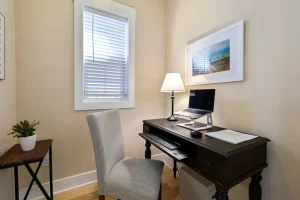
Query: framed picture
[[2, 47], [218, 57]]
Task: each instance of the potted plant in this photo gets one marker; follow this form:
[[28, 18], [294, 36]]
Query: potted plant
[[25, 131]]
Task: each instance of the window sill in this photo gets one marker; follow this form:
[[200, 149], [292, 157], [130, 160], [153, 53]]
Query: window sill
[[103, 105]]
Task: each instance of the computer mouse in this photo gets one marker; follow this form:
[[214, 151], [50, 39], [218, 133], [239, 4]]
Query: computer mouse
[[196, 134]]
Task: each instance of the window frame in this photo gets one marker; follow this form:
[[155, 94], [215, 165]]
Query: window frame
[[119, 9]]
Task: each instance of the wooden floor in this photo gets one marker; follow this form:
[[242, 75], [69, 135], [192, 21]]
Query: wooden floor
[[170, 190]]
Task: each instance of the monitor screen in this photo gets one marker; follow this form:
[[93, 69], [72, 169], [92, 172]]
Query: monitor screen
[[202, 99]]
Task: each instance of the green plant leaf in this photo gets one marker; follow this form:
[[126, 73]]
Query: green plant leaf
[[24, 129]]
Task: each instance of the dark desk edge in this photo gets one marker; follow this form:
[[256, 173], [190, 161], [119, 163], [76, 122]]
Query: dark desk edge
[[232, 153]]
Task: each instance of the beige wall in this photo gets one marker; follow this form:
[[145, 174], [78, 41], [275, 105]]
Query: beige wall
[[7, 94], [267, 103], [45, 66]]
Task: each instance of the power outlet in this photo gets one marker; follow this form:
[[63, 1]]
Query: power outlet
[[46, 161]]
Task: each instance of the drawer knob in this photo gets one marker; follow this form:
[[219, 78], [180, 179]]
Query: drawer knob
[[209, 164]]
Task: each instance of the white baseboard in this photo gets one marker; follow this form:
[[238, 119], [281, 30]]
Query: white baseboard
[[160, 157], [61, 185], [168, 161], [77, 181]]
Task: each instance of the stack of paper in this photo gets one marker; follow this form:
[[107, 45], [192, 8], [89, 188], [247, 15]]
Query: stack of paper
[[231, 136]]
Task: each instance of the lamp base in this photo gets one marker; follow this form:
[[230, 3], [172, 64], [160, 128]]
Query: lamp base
[[172, 118]]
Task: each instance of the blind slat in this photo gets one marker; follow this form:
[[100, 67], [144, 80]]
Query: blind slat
[[100, 39], [89, 18], [121, 71], [106, 32], [111, 82], [104, 67], [104, 58], [105, 73], [106, 87], [109, 45]]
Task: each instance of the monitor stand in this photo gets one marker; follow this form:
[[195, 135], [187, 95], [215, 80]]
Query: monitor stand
[[195, 127]]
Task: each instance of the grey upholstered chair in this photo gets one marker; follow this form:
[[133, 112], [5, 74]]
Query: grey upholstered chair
[[119, 177]]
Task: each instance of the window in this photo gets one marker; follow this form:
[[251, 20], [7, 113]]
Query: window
[[104, 55]]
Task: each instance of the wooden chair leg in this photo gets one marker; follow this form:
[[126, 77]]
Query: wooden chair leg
[[101, 197], [159, 195]]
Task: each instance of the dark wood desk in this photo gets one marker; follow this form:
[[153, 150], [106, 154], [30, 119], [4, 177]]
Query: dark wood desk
[[224, 164], [15, 157]]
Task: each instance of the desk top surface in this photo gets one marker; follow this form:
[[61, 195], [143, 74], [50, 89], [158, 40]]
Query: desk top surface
[[216, 145], [16, 156]]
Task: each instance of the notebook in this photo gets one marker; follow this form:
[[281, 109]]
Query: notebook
[[230, 136]]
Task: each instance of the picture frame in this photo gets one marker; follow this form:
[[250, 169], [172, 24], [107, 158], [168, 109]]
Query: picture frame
[[217, 58], [2, 47]]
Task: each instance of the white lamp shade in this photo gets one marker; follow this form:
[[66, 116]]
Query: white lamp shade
[[173, 82]]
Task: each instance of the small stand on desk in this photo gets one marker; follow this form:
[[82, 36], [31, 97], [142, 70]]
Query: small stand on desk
[[15, 157], [191, 125]]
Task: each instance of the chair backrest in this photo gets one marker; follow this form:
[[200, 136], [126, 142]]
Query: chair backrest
[[108, 142]]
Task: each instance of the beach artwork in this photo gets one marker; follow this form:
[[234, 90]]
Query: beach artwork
[[217, 58], [213, 59]]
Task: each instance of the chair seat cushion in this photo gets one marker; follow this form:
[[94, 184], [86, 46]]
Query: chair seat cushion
[[134, 179]]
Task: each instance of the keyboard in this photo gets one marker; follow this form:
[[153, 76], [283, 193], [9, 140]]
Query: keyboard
[[164, 141]]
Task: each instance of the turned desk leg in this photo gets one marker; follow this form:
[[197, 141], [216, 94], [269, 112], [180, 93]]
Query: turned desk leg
[[255, 191], [148, 150], [175, 168], [221, 195]]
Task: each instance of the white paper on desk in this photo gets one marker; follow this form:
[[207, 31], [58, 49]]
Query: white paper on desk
[[231, 136]]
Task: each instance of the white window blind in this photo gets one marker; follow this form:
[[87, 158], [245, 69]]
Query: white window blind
[[105, 56]]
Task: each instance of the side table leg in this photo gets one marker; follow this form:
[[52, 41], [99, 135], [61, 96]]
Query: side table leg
[[16, 175], [255, 191], [32, 181], [148, 150], [50, 173]]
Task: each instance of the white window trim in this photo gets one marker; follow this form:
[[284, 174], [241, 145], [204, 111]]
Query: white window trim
[[110, 6]]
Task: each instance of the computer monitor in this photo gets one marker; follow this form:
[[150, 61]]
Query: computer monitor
[[202, 99]]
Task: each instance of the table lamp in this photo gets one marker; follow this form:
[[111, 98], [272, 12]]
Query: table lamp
[[172, 83]]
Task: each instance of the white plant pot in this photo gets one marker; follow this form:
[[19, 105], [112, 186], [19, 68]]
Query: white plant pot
[[28, 143]]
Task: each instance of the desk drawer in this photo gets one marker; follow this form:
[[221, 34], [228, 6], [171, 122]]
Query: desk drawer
[[209, 164]]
